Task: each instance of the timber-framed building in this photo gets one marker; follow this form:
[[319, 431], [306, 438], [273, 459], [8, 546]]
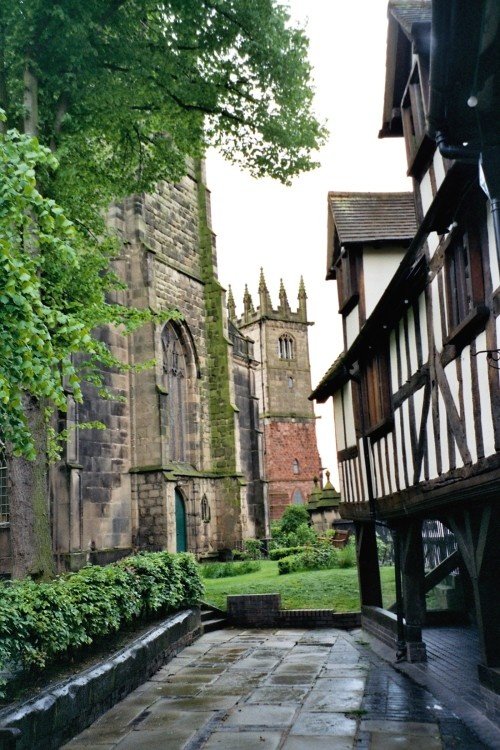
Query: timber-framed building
[[416, 390]]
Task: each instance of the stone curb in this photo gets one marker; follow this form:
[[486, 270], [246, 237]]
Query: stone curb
[[67, 708]]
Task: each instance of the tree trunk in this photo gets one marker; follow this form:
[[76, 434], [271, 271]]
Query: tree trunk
[[29, 507], [28, 480]]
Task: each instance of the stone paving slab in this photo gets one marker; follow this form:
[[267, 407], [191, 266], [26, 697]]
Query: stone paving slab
[[277, 690]]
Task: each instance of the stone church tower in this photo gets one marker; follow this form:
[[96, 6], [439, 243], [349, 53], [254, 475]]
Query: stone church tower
[[283, 384]]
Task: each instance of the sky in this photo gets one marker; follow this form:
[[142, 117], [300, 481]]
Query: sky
[[283, 229]]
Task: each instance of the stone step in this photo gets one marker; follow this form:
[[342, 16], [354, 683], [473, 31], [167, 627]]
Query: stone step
[[214, 624]]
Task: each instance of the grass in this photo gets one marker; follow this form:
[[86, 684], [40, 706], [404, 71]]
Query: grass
[[335, 589]]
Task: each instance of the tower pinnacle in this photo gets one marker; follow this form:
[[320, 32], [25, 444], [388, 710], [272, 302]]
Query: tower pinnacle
[[231, 307]]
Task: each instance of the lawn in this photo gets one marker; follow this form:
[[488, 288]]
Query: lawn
[[335, 589]]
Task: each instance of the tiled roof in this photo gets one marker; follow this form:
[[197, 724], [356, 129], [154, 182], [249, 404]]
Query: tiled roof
[[408, 12], [365, 217]]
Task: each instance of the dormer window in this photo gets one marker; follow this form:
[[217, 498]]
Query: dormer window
[[413, 115], [286, 347]]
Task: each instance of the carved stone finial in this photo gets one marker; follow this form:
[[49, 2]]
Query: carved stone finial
[[284, 306], [231, 307], [248, 308], [302, 300], [264, 298]]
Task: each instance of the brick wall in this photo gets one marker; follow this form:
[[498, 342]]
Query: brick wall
[[264, 610]]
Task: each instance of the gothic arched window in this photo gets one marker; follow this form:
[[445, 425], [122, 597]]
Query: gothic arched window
[[296, 466], [286, 347], [298, 498], [176, 373]]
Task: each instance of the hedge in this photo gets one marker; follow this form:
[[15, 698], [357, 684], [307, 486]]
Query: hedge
[[229, 569], [41, 622]]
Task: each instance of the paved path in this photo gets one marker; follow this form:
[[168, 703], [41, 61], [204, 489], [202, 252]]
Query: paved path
[[278, 689]]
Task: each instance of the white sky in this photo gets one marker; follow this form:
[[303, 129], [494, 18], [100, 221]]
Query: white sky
[[261, 223]]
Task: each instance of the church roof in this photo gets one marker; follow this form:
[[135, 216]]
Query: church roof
[[368, 217]]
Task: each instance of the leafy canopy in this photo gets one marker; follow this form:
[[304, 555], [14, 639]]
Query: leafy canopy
[[123, 93]]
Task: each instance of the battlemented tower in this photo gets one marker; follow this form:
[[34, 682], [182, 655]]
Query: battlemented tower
[[283, 384]]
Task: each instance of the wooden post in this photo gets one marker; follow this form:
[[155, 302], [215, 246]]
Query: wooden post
[[477, 532], [370, 589], [413, 579]]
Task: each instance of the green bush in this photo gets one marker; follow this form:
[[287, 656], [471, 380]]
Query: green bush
[[347, 555], [280, 552], [229, 569], [312, 558], [41, 622], [253, 549], [290, 564], [293, 517]]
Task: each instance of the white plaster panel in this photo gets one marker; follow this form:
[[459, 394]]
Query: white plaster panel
[[484, 397], [392, 460], [431, 449], [342, 488], [351, 326], [426, 192], [402, 353], [394, 362], [350, 432], [375, 471], [495, 272], [407, 439], [338, 420], [422, 309], [413, 341], [398, 448], [451, 374], [418, 405], [379, 266], [362, 468], [443, 435], [439, 170], [432, 243], [436, 316], [468, 421]]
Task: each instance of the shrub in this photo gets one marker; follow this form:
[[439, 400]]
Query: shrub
[[253, 549], [293, 517], [40, 622], [312, 558], [280, 552], [347, 555], [229, 569], [289, 564]]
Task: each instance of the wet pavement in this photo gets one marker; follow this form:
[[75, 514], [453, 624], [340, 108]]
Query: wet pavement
[[240, 689]]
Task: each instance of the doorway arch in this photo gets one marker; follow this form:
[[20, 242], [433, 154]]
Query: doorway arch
[[180, 523]]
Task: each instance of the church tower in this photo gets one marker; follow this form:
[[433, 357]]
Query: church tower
[[283, 384]]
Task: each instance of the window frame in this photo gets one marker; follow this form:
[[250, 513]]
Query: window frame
[[347, 276], [376, 392], [464, 275], [286, 347]]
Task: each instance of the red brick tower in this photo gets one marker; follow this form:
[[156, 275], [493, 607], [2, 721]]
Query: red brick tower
[[283, 384]]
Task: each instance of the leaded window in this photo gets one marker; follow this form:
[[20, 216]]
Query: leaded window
[[175, 372]]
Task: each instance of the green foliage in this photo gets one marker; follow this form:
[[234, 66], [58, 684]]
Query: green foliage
[[278, 553], [229, 569], [51, 298], [41, 622], [293, 517], [253, 549], [293, 530], [124, 94], [346, 556], [385, 550], [313, 558]]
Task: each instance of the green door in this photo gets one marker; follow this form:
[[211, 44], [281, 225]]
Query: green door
[[180, 523]]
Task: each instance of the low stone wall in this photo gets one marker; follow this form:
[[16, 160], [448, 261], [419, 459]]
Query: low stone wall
[[66, 708], [381, 623], [264, 611]]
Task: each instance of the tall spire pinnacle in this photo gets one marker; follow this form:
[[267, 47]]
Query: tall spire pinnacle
[[302, 300], [284, 306], [248, 308], [264, 298], [231, 307]]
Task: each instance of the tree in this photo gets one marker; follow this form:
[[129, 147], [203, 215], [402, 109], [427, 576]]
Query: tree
[[104, 98]]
